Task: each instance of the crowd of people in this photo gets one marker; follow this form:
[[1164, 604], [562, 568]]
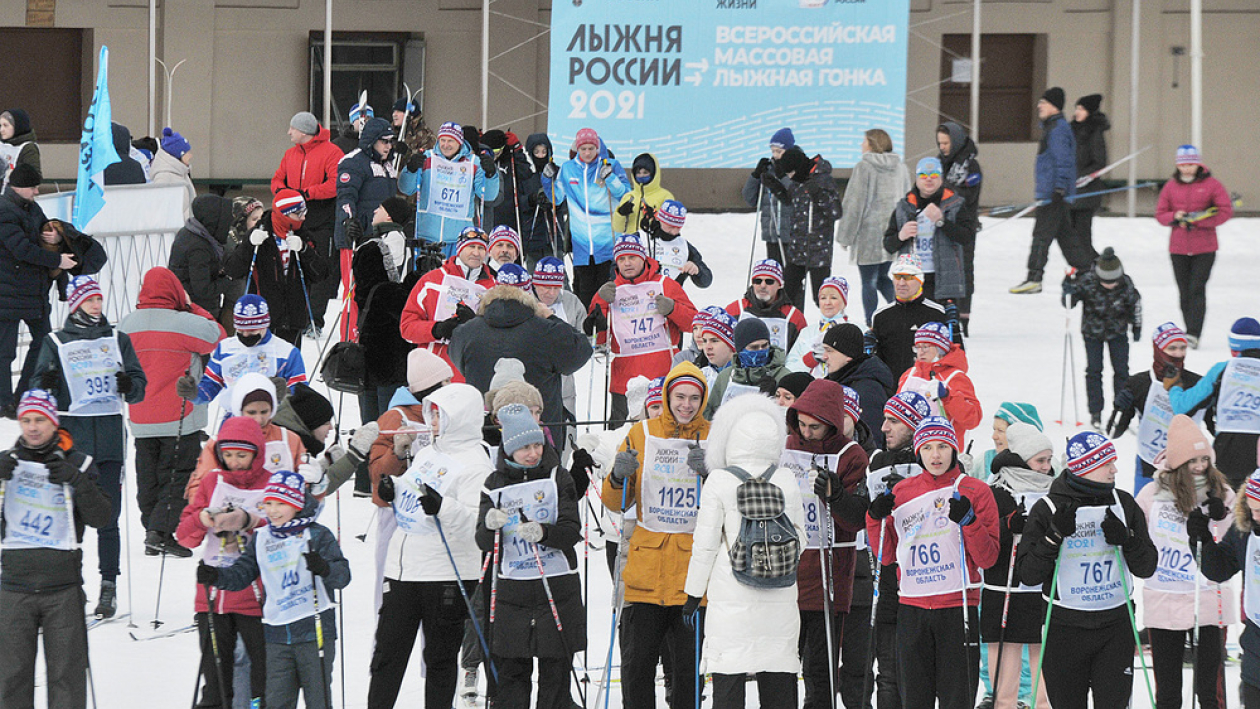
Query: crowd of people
[[787, 498]]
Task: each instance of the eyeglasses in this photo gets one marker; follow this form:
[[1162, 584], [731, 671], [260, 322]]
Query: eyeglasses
[[763, 281]]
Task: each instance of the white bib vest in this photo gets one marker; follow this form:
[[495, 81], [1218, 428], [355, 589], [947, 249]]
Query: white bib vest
[[670, 491], [533, 501], [431, 468], [290, 585], [90, 368], [929, 547], [1238, 404], [638, 326], [38, 514]]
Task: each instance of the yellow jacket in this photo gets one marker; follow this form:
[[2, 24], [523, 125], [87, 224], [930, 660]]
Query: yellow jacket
[[656, 568], [652, 193]]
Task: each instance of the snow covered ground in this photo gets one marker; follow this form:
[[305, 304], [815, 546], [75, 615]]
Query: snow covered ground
[[1015, 350]]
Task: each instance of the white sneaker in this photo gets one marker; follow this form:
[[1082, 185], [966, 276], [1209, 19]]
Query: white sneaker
[[1192, 341], [468, 689]]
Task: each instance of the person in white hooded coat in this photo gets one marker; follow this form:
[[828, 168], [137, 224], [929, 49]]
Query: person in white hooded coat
[[747, 629], [436, 503]]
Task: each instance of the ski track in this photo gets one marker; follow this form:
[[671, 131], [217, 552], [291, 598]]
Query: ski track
[[1015, 352]]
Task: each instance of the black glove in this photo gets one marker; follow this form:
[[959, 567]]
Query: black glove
[[647, 214], [1198, 528], [186, 387], [1017, 519], [415, 163], [776, 188], [1064, 520], [385, 488], [764, 165], [882, 506], [8, 463], [316, 563], [1070, 287], [122, 382], [430, 501], [354, 230], [464, 313], [581, 466], [891, 480], [960, 510], [487, 164], [1216, 508], [63, 472], [595, 322], [691, 612], [626, 208], [50, 379], [207, 575], [549, 171], [1058, 196], [1116, 533], [827, 485], [443, 329]]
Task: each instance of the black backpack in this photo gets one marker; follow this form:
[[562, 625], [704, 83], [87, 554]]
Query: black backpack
[[345, 368], [768, 551]]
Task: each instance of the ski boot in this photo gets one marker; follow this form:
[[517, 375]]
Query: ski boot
[[108, 605]]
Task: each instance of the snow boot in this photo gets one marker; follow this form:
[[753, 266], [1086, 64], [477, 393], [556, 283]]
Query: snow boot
[[153, 542], [174, 548], [108, 605]]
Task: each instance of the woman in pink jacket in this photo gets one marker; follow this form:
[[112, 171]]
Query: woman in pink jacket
[[1193, 203], [1188, 490]]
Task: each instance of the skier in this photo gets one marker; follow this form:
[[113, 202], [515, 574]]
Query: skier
[[849, 365], [963, 175], [806, 354], [766, 299], [679, 258], [756, 360], [891, 336], [640, 207], [448, 180], [940, 374], [775, 215], [928, 223]]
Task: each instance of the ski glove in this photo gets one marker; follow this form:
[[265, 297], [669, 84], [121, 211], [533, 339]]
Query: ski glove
[[495, 519], [624, 465], [1017, 520], [402, 445], [605, 169], [549, 171], [122, 382], [960, 510], [531, 532], [882, 506], [1198, 528], [362, 438], [581, 467], [607, 292], [316, 564], [764, 165], [207, 575], [430, 501], [416, 162], [487, 164], [63, 472], [1124, 400], [1216, 507], [1116, 533], [1058, 196], [776, 188], [1064, 520], [595, 322], [869, 342], [942, 391], [664, 305], [257, 237], [691, 612], [626, 208], [695, 460], [827, 485], [354, 230], [443, 329], [385, 488], [8, 463], [186, 387]]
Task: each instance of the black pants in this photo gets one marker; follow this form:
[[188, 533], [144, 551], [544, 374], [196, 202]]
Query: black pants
[[1250, 696], [161, 477], [588, 278], [1083, 225], [323, 291], [774, 250], [227, 627], [1079, 661], [1167, 652], [618, 411], [775, 690], [1054, 223], [794, 282], [108, 542], [815, 663], [887, 694], [643, 627], [1118, 347], [58, 617], [1192, 274], [935, 661], [855, 650], [38, 327], [291, 335], [405, 605], [515, 685]]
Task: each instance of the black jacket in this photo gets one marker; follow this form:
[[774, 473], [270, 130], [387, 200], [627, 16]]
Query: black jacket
[[385, 351], [889, 592], [894, 326], [1035, 560], [126, 171], [198, 251], [364, 180], [1107, 313], [962, 173], [545, 230], [1220, 562], [1091, 155], [1139, 387], [874, 383], [815, 209], [45, 570], [285, 292], [523, 624], [25, 267]]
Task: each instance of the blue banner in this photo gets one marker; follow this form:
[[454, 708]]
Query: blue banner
[[96, 151], [705, 83]]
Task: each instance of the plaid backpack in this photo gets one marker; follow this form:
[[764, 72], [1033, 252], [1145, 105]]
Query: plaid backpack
[[767, 551]]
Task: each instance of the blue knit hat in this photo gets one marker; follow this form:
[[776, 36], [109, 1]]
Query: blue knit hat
[[783, 138], [935, 428], [549, 271], [519, 428], [672, 213], [1088, 451], [251, 313], [174, 143], [511, 274], [288, 487], [1012, 411], [908, 407], [1244, 335], [361, 111]]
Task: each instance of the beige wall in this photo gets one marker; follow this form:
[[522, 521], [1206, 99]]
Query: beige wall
[[246, 73]]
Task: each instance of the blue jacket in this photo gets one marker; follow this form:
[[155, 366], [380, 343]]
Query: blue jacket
[[590, 204], [437, 228], [363, 182], [1056, 158]]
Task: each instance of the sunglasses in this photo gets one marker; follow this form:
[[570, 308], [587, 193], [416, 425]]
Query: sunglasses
[[904, 277], [932, 175], [763, 281]]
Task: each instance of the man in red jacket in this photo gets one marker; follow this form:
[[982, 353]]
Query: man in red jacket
[[766, 299], [310, 167], [168, 332], [829, 466], [646, 312], [447, 297], [937, 517]]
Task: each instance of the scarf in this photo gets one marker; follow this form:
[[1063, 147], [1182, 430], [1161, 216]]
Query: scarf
[[1163, 493], [82, 319], [294, 526], [1162, 362], [1019, 480], [199, 229]]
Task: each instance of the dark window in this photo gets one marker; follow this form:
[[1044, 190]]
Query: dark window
[[362, 61], [1012, 71], [43, 74]]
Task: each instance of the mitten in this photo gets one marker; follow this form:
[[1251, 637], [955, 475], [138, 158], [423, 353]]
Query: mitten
[[496, 518], [122, 381]]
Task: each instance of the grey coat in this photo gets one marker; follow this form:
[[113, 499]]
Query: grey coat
[[878, 182], [947, 247]]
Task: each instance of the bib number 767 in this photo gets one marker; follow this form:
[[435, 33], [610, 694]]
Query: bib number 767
[[1096, 572]]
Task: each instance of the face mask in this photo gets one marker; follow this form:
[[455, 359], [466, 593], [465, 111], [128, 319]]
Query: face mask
[[643, 179], [754, 358], [249, 340]]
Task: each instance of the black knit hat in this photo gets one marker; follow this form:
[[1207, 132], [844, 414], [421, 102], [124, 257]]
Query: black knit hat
[[845, 339], [796, 382], [1055, 96], [750, 331], [25, 175], [795, 161], [310, 406], [1108, 266], [494, 139], [1090, 103], [398, 209]]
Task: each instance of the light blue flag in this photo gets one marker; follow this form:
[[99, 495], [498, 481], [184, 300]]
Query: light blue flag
[[96, 151]]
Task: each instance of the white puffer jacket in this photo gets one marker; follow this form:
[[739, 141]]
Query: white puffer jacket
[[746, 629], [422, 557]]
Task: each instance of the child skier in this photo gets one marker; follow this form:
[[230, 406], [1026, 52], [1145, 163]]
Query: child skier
[[679, 258], [640, 207], [220, 519], [299, 564], [92, 370], [41, 583], [1082, 544]]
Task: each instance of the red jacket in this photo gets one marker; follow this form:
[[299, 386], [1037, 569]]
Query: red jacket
[[416, 323], [191, 532], [980, 537], [165, 331], [310, 168], [795, 318], [962, 408], [824, 400], [1177, 196], [652, 364]]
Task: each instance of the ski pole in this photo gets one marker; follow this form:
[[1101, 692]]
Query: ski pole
[[310, 316], [869, 670], [752, 250], [179, 435], [996, 211], [1128, 606], [1194, 674], [966, 620], [1045, 627], [618, 596], [494, 577], [224, 687], [825, 563], [1006, 607], [371, 523], [485, 647], [1088, 178], [699, 678], [319, 636], [555, 614]]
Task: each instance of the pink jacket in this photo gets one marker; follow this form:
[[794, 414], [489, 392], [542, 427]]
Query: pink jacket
[[1177, 196], [1175, 611]]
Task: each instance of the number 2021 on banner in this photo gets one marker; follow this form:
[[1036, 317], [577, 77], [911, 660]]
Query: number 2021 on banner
[[604, 104]]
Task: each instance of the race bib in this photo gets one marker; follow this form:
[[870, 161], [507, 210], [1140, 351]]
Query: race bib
[[239, 364], [38, 514], [453, 291], [1176, 571], [428, 468], [672, 256], [638, 325], [1152, 431], [279, 456], [929, 547], [670, 493], [224, 550], [875, 483], [291, 587], [923, 244], [450, 187], [733, 390], [1238, 404], [1089, 579], [778, 328], [802, 464], [534, 501], [1251, 580], [90, 368]]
